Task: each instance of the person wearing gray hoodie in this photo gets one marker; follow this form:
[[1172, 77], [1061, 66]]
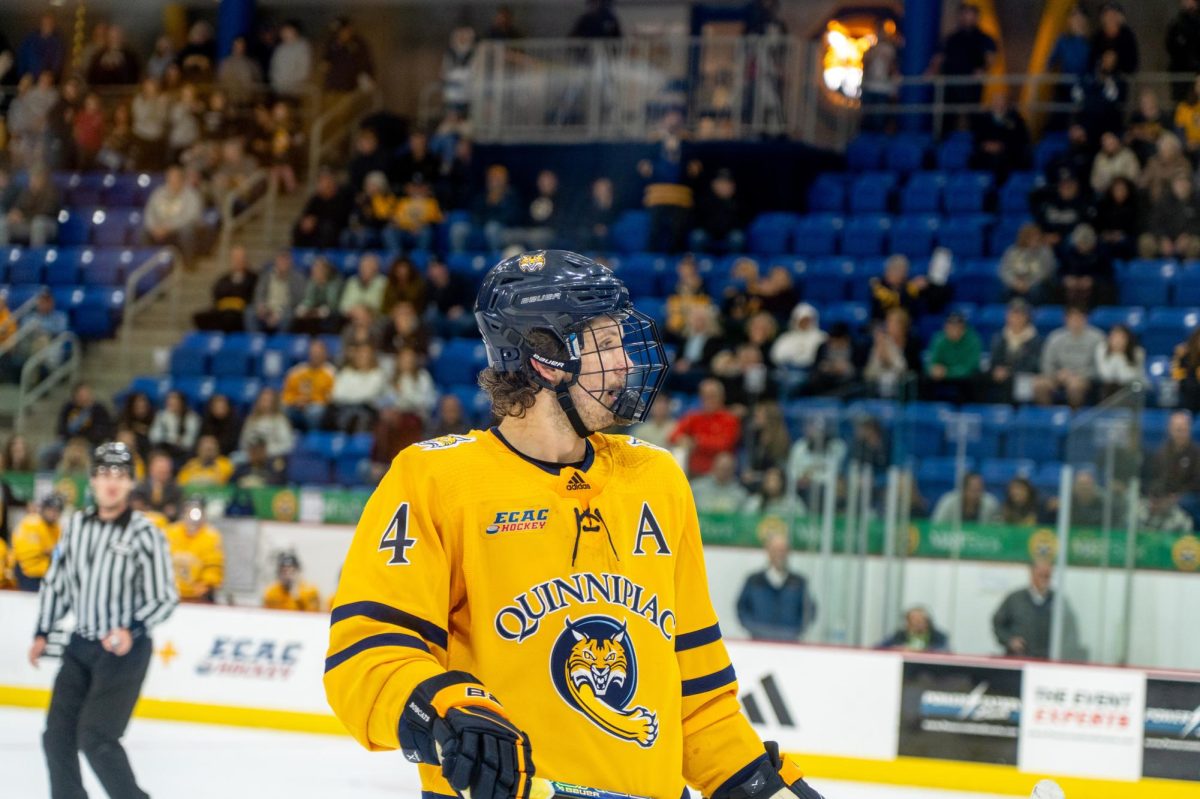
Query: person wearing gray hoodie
[[1069, 360]]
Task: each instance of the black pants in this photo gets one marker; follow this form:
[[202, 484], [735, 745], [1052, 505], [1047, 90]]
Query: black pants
[[93, 698]]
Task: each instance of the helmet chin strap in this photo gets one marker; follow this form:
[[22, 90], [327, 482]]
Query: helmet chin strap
[[562, 393]]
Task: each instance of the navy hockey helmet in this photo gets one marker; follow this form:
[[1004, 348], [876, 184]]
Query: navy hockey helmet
[[560, 293]]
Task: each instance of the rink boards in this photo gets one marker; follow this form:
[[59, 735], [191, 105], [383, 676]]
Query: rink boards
[[957, 723]]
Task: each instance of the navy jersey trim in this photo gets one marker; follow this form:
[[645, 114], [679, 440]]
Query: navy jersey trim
[[390, 615], [709, 682], [371, 642], [697, 638], [589, 456]]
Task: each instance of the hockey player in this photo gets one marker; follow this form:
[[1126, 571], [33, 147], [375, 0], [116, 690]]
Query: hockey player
[[536, 592], [197, 553], [34, 541], [289, 592]]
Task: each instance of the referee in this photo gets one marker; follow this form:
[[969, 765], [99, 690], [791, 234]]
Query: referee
[[113, 570]]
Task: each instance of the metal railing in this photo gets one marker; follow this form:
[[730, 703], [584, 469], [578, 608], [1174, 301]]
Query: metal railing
[[135, 304], [256, 197], [22, 332], [35, 383], [334, 128], [561, 90]]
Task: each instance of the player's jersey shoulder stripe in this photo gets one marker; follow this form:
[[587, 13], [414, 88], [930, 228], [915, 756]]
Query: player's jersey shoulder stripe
[[697, 638], [371, 642], [387, 614], [709, 682]]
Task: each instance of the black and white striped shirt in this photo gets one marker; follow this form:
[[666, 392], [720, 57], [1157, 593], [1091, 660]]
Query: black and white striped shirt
[[111, 574]]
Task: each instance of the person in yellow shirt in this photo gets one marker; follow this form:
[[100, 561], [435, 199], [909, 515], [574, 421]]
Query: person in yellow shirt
[[139, 500], [1187, 120], [34, 541], [289, 592], [209, 467], [197, 553], [308, 387], [413, 219]]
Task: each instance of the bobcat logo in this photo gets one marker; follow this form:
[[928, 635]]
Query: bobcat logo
[[594, 668]]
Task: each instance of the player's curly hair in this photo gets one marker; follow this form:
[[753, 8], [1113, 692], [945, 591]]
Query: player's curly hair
[[514, 393]]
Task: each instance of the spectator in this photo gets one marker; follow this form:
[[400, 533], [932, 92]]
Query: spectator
[[454, 187], [412, 387], [708, 431], [373, 210], [17, 455], [42, 50], [1022, 622], [175, 426], [368, 157], [259, 470], [718, 490], [1173, 230], [1001, 139], [239, 76], [356, 390], [1069, 360], [450, 417], [1183, 45], [184, 123], [365, 289], [307, 388], [1015, 356], [33, 217], [668, 196], [544, 216], [1060, 212], [1021, 506], [1027, 265], [797, 347], [173, 215], [1167, 163], [836, 368], [232, 294], [160, 490], [347, 63], [88, 130], [881, 76], [1087, 503], [267, 421], [151, 111], [361, 329], [887, 362], [1120, 361], [1102, 98], [116, 64], [1146, 125], [699, 341], [291, 62], [918, 633], [968, 51], [42, 326], [503, 26], [456, 70], [775, 604], [1118, 219], [1185, 371], [1085, 271], [120, 145], [76, 461], [1113, 161], [412, 222], [971, 503], [198, 555], [222, 422], [495, 210], [279, 146], [870, 445], [209, 467], [198, 58], [34, 542], [162, 57], [276, 296], [95, 44], [449, 297], [657, 429], [325, 215], [772, 498], [895, 289], [289, 592], [597, 22], [416, 160], [598, 217], [1077, 158], [952, 362], [1159, 512], [742, 296], [721, 222], [817, 455], [317, 313], [137, 416], [1072, 54], [401, 328], [1175, 466], [1115, 35], [1187, 120], [83, 416]]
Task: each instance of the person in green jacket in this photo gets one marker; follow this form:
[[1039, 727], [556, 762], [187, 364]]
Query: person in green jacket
[[952, 361]]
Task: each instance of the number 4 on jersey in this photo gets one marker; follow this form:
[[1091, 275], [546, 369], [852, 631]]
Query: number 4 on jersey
[[395, 537]]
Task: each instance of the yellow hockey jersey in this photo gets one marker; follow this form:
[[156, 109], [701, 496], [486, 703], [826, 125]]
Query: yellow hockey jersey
[[303, 596], [577, 596], [33, 545], [199, 560], [6, 578]]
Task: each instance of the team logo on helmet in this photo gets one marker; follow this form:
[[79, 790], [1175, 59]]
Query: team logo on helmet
[[594, 668], [532, 262]]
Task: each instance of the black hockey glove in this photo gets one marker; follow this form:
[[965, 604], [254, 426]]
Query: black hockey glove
[[769, 777], [452, 720]]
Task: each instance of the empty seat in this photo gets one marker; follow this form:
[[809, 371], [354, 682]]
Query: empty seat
[[771, 233], [826, 280], [967, 192], [1167, 327], [965, 236], [977, 280], [906, 153], [1038, 433], [1014, 194], [922, 194], [631, 231], [871, 192], [1005, 233], [914, 235], [828, 193], [1147, 283], [864, 235], [865, 152], [954, 154], [186, 361], [817, 234]]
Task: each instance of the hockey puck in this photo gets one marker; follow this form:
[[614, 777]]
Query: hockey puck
[[1047, 789]]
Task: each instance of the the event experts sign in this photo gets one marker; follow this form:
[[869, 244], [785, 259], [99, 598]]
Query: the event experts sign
[[1082, 721]]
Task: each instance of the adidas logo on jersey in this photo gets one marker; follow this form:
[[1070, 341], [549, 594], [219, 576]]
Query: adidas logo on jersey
[[577, 483]]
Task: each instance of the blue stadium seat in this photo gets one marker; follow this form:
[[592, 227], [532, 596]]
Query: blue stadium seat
[[308, 468], [359, 444], [864, 235], [647, 274], [631, 231], [153, 386], [1045, 480], [989, 319], [1048, 148], [828, 193], [1048, 318], [826, 279], [186, 361], [936, 475], [906, 152], [1167, 327], [241, 391], [965, 236], [98, 313], [977, 280], [922, 194], [110, 227], [18, 295], [954, 154], [855, 314], [101, 267], [1146, 283], [865, 152], [74, 228], [1187, 284], [67, 298], [987, 440], [913, 235], [83, 189], [202, 340], [26, 266], [1013, 198], [1038, 433], [1106, 316], [348, 470], [997, 472], [871, 191], [197, 389], [967, 192], [798, 413], [771, 233], [458, 361], [1004, 233], [817, 234], [61, 265]]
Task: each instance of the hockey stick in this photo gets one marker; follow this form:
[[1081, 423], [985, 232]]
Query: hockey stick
[[543, 788]]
